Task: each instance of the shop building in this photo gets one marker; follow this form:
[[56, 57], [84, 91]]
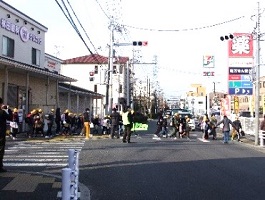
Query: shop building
[[29, 77]]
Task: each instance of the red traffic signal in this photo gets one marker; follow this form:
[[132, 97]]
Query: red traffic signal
[[140, 43], [91, 73]]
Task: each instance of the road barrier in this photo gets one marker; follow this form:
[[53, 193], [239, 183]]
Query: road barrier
[[70, 177]]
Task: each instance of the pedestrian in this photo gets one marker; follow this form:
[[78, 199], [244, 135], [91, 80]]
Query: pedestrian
[[206, 127], [213, 122], [226, 127], [159, 125], [114, 120], [50, 122], [187, 127], [5, 115], [175, 124], [127, 120], [236, 130], [30, 123], [58, 121], [14, 124], [86, 121]]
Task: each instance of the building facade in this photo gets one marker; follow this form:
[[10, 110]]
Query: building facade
[[93, 73], [29, 77]]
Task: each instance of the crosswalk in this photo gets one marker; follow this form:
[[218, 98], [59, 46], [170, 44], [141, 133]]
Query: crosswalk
[[41, 154]]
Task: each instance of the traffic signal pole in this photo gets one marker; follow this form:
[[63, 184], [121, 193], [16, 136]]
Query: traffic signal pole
[[257, 89]]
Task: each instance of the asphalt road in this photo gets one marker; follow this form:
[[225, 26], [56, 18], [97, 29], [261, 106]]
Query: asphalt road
[[171, 169]]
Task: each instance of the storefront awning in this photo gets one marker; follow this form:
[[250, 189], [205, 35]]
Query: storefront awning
[[35, 71]]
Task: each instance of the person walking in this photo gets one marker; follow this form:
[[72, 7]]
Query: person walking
[[86, 121], [159, 125], [115, 120], [176, 124], [226, 127], [206, 127], [213, 122], [14, 124], [127, 120], [4, 116]]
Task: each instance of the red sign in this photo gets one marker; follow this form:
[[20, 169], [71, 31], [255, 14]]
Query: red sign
[[234, 77], [241, 45]]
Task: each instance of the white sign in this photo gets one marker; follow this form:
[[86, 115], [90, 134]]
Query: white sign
[[240, 62]]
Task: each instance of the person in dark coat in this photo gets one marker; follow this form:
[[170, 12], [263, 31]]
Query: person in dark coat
[[115, 121], [58, 120], [4, 116]]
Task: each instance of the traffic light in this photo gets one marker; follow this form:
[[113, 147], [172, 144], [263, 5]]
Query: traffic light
[[226, 37], [91, 76], [140, 43]]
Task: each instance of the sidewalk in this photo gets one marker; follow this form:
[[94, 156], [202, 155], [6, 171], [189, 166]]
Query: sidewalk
[[25, 185]]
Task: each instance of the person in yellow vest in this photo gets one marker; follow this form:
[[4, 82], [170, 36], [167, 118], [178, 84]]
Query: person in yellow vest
[[127, 120]]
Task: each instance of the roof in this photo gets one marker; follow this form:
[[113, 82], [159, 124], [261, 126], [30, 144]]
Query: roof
[[95, 59], [36, 70], [75, 89]]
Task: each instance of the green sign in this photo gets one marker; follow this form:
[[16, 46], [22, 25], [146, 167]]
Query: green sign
[[139, 127]]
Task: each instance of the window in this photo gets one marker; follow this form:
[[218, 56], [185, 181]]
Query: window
[[121, 69], [96, 69], [114, 70], [95, 88], [8, 47], [35, 57], [120, 88], [263, 84]]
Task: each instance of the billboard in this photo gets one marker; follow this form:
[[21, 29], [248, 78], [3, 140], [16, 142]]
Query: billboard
[[240, 64], [241, 45]]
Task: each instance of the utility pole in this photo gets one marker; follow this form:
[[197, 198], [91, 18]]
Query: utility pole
[[257, 63], [111, 66]]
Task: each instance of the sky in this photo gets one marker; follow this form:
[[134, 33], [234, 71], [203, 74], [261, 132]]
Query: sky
[[173, 28]]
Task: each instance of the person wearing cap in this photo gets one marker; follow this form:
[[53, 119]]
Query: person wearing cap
[[5, 115], [14, 124], [115, 121], [226, 127]]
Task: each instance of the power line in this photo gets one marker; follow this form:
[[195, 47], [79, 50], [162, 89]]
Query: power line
[[186, 29]]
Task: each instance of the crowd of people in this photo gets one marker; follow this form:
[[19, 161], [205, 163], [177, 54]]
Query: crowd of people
[[178, 127], [66, 123]]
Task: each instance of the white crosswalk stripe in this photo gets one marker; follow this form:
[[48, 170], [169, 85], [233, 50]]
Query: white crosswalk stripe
[[50, 154]]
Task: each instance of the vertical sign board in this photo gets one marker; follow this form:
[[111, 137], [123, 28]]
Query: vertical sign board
[[236, 104], [240, 64]]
